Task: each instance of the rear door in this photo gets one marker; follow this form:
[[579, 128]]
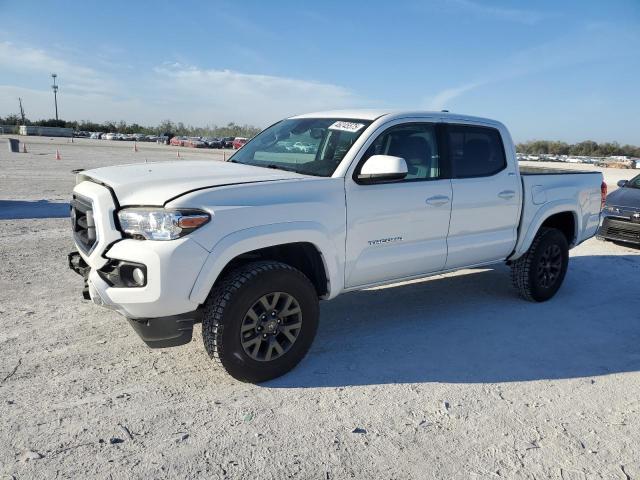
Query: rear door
[[486, 196], [397, 230]]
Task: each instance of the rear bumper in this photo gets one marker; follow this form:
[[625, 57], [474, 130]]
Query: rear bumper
[[619, 230]]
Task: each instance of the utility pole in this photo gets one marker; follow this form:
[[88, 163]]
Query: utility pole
[[21, 111], [54, 87]]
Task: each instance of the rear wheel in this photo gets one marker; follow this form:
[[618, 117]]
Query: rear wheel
[[539, 273], [260, 320]]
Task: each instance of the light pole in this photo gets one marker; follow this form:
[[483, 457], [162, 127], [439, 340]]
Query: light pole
[[54, 87]]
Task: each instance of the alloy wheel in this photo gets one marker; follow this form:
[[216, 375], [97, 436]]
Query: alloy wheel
[[271, 326], [549, 266]]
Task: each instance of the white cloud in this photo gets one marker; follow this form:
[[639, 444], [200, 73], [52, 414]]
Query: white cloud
[[252, 98], [441, 99], [77, 78], [564, 52], [38, 104], [176, 91]]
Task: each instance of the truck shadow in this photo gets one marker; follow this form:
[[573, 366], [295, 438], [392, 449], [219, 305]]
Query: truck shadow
[[25, 209], [473, 328]]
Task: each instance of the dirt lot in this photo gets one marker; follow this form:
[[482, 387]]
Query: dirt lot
[[452, 377]]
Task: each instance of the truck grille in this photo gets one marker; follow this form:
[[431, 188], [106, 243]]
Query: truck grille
[[620, 230], [83, 224]]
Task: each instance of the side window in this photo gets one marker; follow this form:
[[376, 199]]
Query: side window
[[416, 143], [475, 151]]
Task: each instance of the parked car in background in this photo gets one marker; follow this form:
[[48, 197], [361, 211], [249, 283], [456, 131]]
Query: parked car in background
[[194, 142], [177, 141], [165, 138], [213, 142], [621, 214], [227, 142], [109, 136], [238, 143]]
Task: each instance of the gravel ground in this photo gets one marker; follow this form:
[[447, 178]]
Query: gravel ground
[[451, 377]]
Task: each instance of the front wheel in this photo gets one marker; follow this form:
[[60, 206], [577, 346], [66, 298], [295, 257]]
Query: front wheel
[[539, 273], [260, 320]]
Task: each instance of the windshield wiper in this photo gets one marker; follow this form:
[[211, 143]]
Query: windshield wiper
[[278, 167]]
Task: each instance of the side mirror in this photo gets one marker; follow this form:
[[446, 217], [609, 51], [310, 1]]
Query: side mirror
[[622, 183], [383, 168]]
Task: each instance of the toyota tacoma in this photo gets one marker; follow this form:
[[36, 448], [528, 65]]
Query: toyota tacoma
[[249, 246]]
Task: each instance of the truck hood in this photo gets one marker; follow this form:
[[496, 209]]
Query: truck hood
[[157, 183]]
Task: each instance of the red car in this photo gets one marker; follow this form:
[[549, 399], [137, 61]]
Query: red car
[[177, 141], [193, 142], [239, 143]]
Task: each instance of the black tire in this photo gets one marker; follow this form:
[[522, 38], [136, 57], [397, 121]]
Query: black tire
[[227, 309], [539, 273]]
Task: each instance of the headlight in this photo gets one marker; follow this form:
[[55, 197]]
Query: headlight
[[160, 224]]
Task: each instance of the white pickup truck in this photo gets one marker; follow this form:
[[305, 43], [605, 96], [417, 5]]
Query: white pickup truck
[[249, 246]]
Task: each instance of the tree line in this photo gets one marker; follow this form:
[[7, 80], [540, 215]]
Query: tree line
[[588, 148], [167, 126]]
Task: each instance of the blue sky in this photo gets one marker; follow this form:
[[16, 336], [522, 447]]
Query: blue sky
[[565, 70]]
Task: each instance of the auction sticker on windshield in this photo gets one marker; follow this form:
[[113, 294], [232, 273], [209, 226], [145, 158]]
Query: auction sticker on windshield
[[346, 126]]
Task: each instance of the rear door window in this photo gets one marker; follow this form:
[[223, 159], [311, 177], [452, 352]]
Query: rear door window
[[475, 151]]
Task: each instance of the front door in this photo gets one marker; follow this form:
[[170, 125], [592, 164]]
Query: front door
[[397, 230]]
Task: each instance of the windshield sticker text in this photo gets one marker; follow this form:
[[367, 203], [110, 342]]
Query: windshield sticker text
[[346, 126]]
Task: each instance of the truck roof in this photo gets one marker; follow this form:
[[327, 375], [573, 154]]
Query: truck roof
[[373, 114]]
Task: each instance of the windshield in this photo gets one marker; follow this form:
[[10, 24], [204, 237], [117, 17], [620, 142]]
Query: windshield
[[311, 146], [634, 182]]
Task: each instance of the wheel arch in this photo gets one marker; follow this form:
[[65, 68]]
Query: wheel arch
[[305, 246], [556, 215], [566, 222]]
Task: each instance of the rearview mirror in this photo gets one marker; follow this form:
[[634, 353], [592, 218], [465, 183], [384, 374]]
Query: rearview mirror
[[383, 168], [316, 133], [622, 183]]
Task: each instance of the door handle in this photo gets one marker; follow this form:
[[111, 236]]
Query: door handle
[[507, 194], [437, 200]]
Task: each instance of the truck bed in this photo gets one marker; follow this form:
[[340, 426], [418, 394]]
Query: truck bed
[[549, 190], [527, 170]]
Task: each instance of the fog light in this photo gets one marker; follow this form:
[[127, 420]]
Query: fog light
[[138, 276]]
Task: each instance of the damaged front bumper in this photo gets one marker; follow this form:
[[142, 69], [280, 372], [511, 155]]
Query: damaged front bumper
[[157, 332], [78, 265]]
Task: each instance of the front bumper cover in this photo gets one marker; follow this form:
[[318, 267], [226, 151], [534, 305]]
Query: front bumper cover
[[157, 332], [162, 332]]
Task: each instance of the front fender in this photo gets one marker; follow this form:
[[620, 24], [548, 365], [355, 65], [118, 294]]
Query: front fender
[[525, 239], [255, 238]]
